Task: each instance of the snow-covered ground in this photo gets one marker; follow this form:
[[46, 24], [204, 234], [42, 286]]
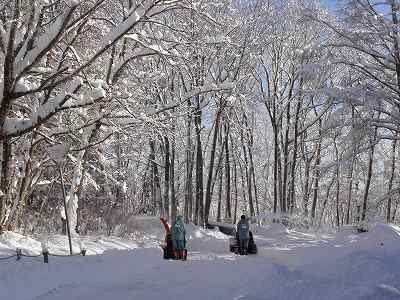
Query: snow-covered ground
[[290, 265]]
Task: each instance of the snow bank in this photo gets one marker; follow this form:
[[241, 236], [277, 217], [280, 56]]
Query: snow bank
[[379, 235], [290, 265], [141, 227], [139, 232], [58, 244], [10, 241]]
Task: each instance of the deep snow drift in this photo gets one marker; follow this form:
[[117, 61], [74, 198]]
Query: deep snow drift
[[290, 265]]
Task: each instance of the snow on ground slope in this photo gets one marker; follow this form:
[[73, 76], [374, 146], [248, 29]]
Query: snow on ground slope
[[290, 265]]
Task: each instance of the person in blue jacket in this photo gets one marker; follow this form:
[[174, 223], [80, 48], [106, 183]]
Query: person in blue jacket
[[243, 229], [179, 237]]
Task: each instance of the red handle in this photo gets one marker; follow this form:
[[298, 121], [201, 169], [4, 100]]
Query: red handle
[[166, 226]]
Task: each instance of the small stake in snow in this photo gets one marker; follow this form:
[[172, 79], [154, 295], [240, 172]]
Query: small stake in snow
[[19, 253], [58, 154], [45, 253], [45, 257], [83, 248]]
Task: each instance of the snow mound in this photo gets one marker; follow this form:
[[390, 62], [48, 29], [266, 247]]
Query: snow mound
[[290, 264], [384, 291], [195, 232], [58, 244], [274, 229], [138, 232], [138, 227], [10, 241], [347, 234], [381, 235], [208, 241]]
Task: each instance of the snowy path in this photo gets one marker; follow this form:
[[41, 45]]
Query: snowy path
[[289, 266]]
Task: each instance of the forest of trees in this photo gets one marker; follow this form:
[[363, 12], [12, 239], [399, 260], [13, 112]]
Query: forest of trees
[[279, 109]]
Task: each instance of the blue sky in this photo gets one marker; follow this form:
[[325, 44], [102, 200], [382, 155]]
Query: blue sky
[[331, 3], [382, 7]]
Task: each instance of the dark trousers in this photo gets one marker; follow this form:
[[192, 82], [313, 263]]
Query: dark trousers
[[243, 244]]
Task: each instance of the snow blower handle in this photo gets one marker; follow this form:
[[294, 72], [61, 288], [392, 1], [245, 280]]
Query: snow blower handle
[[166, 226]]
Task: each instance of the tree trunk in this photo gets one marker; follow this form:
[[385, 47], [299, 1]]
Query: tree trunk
[[172, 181], [189, 190], [27, 183], [280, 177], [78, 176], [317, 172], [248, 176], [286, 158], [199, 216], [211, 165], [242, 181], [235, 183], [276, 149], [337, 184], [219, 196], [167, 169], [189, 168], [395, 211], [369, 175], [306, 188], [228, 209], [328, 191], [155, 186], [392, 172], [5, 180], [351, 171], [294, 158]]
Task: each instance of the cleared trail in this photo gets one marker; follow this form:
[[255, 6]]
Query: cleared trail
[[290, 265]]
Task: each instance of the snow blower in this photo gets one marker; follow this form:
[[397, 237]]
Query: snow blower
[[167, 246], [234, 244]]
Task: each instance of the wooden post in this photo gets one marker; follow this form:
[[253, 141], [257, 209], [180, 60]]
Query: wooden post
[[45, 256], [19, 253]]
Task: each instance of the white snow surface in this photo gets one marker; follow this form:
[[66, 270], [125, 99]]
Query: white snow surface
[[290, 265]]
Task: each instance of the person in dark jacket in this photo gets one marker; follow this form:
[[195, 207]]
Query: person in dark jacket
[[179, 237], [243, 229]]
